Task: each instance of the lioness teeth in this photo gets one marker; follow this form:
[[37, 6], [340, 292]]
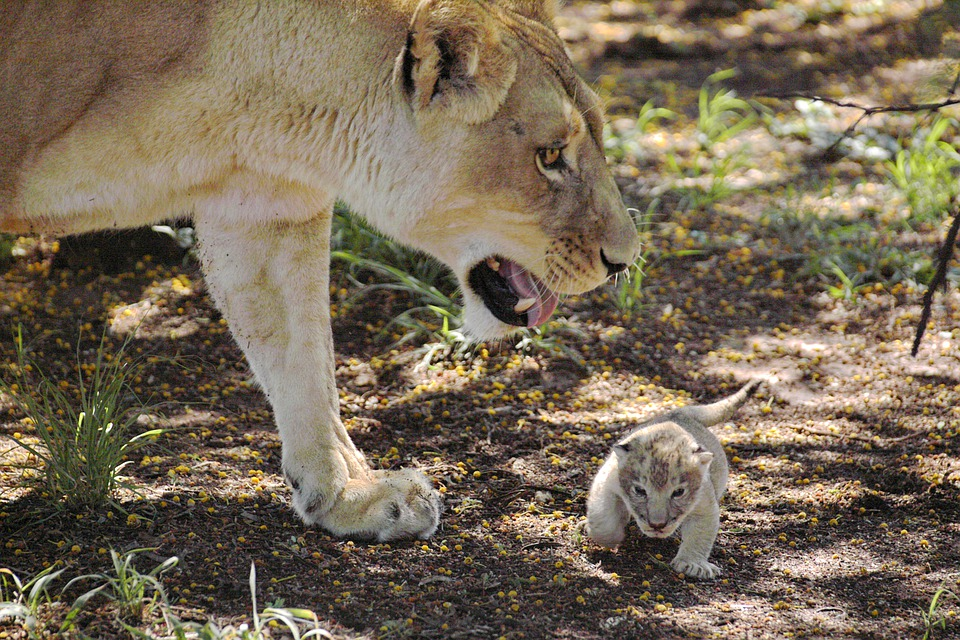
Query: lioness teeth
[[493, 264], [524, 304]]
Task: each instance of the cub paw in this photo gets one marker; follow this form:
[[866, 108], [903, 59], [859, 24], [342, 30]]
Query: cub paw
[[695, 567], [605, 537], [384, 505]]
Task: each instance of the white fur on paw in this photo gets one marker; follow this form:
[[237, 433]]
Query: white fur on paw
[[610, 539], [412, 507], [387, 505], [695, 568], [311, 499]]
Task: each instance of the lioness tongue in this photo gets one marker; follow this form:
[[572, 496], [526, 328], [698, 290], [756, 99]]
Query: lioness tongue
[[528, 287], [540, 312]]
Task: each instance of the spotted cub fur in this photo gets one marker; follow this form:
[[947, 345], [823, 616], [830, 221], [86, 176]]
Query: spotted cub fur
[[668, 474]]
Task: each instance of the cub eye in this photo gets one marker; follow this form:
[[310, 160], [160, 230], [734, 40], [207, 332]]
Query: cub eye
[[639, 491], [679, 492], [550, 159]]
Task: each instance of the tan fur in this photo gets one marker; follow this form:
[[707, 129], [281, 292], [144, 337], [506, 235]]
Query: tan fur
[[427, 117], [668, 474]]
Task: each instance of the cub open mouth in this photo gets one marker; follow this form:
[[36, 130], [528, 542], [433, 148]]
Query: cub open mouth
[[511, 293]]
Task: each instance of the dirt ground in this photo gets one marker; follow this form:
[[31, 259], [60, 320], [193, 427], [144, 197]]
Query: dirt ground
[[842, 517]]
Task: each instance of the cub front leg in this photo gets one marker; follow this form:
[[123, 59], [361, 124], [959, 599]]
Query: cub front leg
[[607, 515], [698, 533], [271, 281]]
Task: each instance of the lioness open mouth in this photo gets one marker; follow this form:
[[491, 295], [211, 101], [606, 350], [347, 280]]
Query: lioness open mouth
[[511, 293]]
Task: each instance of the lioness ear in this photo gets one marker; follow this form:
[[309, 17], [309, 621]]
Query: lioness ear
[[454, 61]]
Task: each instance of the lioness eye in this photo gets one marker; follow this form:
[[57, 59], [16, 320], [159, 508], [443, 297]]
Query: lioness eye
[[679, 492], [637, 489], [550, 159]]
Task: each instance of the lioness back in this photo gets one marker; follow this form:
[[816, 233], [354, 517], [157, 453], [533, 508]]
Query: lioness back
[[68, 63]]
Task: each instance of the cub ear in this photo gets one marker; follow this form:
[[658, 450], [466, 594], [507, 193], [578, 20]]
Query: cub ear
[[454, 61], [621, 449], [703, 457]]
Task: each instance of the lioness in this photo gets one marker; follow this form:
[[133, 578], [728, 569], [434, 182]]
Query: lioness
[[456, 126]]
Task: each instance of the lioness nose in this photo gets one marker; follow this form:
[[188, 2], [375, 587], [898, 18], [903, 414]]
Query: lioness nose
[[613, 268], [620, 246]]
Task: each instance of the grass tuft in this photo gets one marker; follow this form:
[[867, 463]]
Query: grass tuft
[[81, 444]]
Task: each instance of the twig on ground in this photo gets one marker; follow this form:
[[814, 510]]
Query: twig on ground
[[848, 436], [945, 255]]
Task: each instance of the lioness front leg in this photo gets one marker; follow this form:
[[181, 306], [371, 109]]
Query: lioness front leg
[[271, 281]]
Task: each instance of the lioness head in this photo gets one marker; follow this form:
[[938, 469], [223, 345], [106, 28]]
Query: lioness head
[[533, 210]]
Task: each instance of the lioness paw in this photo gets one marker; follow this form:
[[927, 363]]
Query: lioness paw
[[409, 506], [695, 567], [386, 505]]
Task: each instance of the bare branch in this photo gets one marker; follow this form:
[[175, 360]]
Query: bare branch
[[867, 111], [939, 279]]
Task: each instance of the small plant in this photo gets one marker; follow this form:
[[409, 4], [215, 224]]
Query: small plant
[[84, 443], [7, 243], [848, 288], [933, 617], [436, 316], [927, 171], [21, 601], [292, 619], [623, 144], [136, 596], [847, 254], [133, 593], [352, 238], [722, 115]]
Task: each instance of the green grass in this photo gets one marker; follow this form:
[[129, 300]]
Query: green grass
[[81, 444], [22, 601], [134, 595], [7, 243], [934, 618], [926, 171], [138, 604], [373, 262]]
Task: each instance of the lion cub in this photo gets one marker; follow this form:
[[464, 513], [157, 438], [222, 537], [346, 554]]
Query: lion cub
[[669, 473]]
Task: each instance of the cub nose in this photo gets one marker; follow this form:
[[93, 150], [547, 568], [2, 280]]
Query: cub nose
[[613, 268]]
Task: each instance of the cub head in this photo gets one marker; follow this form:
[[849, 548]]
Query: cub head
[[529, 208], [661, 472]]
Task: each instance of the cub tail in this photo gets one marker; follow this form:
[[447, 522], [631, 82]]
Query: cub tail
[[722, 410]]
